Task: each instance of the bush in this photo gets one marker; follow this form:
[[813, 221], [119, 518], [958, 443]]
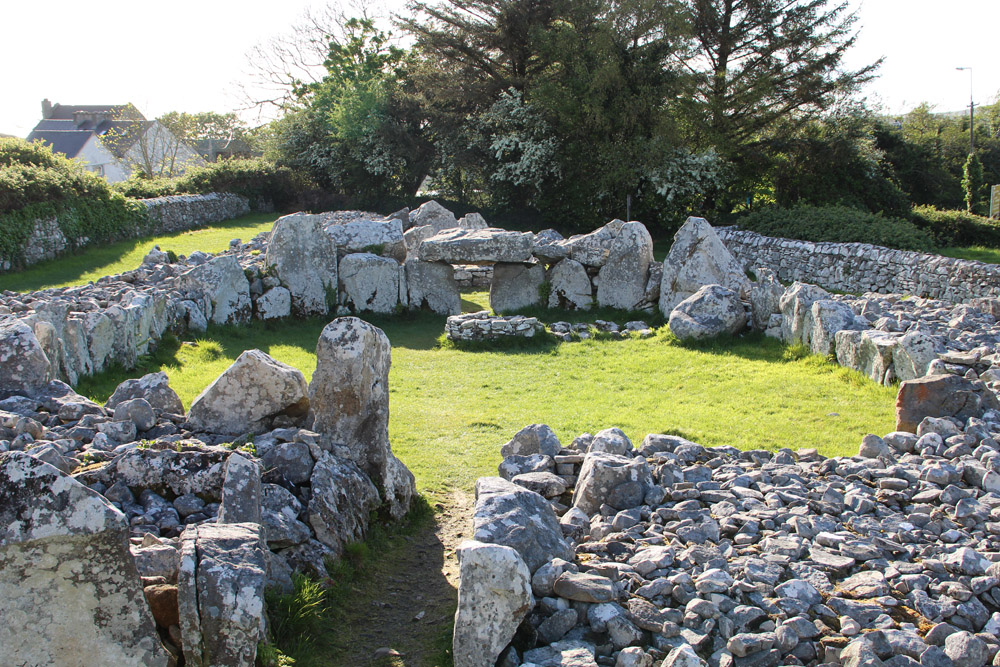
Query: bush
[[30, 173], [839, 224], [957, 228], [260, 181]]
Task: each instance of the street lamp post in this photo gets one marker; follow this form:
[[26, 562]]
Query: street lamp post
[[972, 112]]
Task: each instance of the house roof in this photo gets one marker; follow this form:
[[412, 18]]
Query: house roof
[[68, 143], [69, 111]]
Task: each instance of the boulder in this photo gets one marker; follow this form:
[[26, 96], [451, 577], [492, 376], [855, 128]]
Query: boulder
[[432, 285], [698, 258], [304, 258], [570, 286], [494, 596], [619, 481], [273, 304], [622, 280], [370, 282], [241, 494], [594, 248], [23, 364], [476, 246], [515, 286], [711, 311], [513, 516], [165, 471], [796, 311], [434, 215], [913, 355], [940, 396], [342, 499], [248, 395], [532, 439], [473, 221], [70, 593], [222, 282], [875, 355], [280, 511], [829, 317], [381, 237], [549, 246], [414, 237], [349, 394], [154, 387], [765, 297], [220, 593]]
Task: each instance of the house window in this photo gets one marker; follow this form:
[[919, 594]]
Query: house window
[[98, 169]]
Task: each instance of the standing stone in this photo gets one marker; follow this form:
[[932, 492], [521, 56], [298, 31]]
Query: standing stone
[[70, 593], [304, 258], [796, 311], [622, 279], [876, 355], [698, 258], [432, 284], [343, 498], [765, 297], [494, 596], [618, 481], [273, 304], [913, 355], [241, 494], [711, 311], [414, 237], [248, 394], [829, 317], [594, 248], [220, 593], [23, 365], [222, 281], [515, 286], [370, 282], [571, 286], [349, 394]]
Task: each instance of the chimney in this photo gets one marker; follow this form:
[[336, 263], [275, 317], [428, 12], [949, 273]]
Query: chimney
[[46, 109]]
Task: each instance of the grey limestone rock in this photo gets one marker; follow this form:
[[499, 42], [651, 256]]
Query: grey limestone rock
[[432, 214], [698, 258], [515, 286], [365, 235], [302, 255], [154, 387], [622, 279], [619, 481], [711, 311], [273, 304], [70, 593], [370, 282], [23, 363], [476, 246], [532, 439], [343, 497], [241, 492], [571, 286], [225, 287], [432, 285]]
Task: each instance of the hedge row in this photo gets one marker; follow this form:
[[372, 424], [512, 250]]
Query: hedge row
[[957, 228]]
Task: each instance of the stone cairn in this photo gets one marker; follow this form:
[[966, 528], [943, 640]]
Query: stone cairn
[[676, 554], [137, 534]]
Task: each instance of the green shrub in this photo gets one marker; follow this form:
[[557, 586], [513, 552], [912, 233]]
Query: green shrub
[[957, 228], [839, 224], [30, 173], [147, 188]]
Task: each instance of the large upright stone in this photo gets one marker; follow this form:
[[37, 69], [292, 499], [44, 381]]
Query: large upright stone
[[698, 258], [515, 286], [796, 311], [343, 498], [23, 364], [433, 214], [248, 395], [912, 356], [70, 593], [571, 286], [349, 394], [370, 282], [476, 246], [494, 596], [382, 237], [304, 258], [220, 593], [223, 283], [622, 280], [511, 515], [711, 311], [241, 494], [765, 297], [593, 249], [828, 317], [432, 285]]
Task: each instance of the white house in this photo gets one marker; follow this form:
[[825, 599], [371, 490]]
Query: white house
[[114, 140]]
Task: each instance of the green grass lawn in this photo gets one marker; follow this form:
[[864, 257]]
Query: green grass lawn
[[977, 253], [98, 261], [451, 409]]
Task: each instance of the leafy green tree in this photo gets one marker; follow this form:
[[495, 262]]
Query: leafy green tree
[[972, 183]]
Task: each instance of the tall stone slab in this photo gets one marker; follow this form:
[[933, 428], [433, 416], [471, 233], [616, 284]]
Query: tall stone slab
[[222, 283], [622, 280], [303, 256], [70, 593], [349, 395], [24, 366], [698, 258]]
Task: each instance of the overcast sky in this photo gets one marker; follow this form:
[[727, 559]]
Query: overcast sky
[[187, 55]]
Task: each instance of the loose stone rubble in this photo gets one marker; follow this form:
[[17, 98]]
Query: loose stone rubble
[[687, 555], [198, 512], [482, 326]]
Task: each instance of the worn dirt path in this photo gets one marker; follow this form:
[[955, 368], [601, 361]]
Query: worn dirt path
[[409, 606]]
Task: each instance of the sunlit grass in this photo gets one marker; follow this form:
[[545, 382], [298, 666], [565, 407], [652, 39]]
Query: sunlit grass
[[977, 253], [98, 261]]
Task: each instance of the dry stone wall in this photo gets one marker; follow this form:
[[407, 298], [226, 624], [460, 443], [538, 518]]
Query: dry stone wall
[[860, 267]]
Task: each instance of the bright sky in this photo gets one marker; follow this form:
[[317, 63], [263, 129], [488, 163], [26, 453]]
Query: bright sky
[[187, 55]]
